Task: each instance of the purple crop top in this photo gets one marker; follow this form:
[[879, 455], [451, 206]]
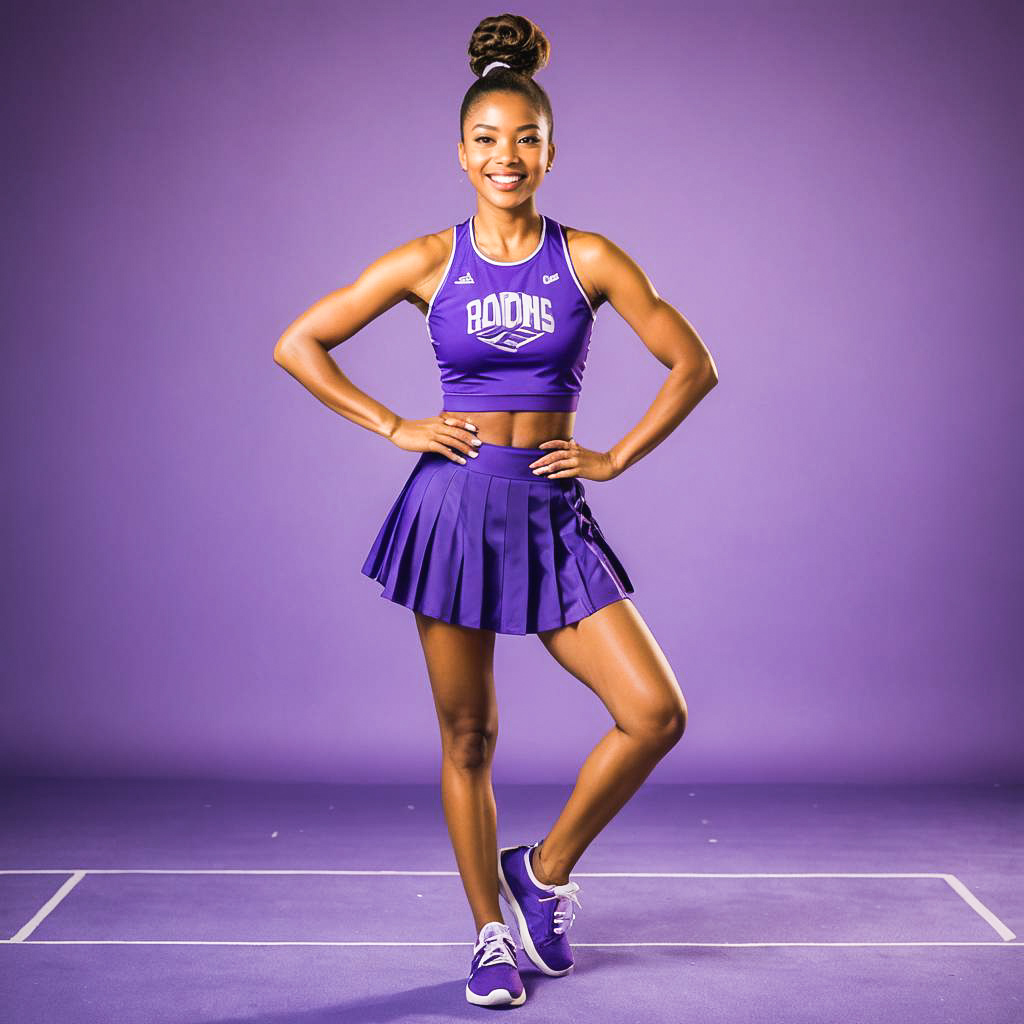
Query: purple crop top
[[510, 335]]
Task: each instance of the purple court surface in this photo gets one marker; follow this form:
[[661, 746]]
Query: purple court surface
[[194, 903]]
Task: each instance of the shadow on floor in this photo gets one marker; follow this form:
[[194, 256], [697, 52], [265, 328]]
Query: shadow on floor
[[445, 1001]]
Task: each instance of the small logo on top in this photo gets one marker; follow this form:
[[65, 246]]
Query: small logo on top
[[467, 278], [548, 278]]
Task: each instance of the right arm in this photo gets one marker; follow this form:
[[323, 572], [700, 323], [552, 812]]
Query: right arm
[[303, 348]]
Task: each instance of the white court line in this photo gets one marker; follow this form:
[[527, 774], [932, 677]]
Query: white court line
[[29, 927], [613, 945], [975, 904], [576, 874], [1005, 933]]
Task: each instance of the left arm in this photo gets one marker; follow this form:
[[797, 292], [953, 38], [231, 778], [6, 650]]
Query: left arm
[[665, 332]]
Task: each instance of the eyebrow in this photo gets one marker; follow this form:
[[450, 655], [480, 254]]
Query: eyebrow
[[493, 129]]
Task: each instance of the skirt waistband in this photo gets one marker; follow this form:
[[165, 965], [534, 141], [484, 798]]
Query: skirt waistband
[[504, 460]]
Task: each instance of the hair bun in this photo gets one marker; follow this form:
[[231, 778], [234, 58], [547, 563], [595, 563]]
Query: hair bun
[[510, 38]]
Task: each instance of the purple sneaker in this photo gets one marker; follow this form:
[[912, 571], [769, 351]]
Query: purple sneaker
[[494, 976], [543, 912]]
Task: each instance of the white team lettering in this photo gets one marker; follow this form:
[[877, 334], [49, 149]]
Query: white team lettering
[[509, 310]]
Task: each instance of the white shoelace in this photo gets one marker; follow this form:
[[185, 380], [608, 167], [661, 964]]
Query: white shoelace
[[564, 914], [496, 949]]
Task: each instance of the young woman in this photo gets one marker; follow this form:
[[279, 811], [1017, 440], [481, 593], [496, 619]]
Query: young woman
[[492, 532]]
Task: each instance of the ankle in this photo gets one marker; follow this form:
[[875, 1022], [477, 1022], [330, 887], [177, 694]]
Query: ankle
[[491, 920], [541, 872]]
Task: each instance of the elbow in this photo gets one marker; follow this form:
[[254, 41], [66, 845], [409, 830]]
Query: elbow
[[704, 373], [709, 372], [292, 349], [283, 350]]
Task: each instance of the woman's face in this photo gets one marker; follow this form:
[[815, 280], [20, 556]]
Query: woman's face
[[504, 135]]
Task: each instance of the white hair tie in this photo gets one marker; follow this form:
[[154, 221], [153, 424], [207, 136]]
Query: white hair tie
[[495, 64]]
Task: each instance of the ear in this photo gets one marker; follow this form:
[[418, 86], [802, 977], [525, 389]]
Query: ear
[[462, 155]]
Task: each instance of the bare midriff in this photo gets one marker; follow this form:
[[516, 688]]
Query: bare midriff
[[518, 429]]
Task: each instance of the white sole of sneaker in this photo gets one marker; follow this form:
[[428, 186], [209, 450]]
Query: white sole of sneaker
[[524, 932], [499, 997]]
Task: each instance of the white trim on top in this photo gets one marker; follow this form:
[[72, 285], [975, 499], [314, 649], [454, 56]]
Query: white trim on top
[[447, 268], [512, 263], [444, 277], [572, 271]]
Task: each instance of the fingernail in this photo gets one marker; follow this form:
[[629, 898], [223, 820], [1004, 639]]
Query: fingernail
[[477, 441], [461, 459], [449, 422], [472, 426], [474, 454]]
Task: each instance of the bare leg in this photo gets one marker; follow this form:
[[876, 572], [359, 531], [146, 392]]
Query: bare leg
[[613, 653], [460, 664]]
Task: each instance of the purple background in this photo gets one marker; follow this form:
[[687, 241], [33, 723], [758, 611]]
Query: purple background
[[828, 549]]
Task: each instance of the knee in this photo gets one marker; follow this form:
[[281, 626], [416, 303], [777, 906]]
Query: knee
[[662, 726], [468, 747]]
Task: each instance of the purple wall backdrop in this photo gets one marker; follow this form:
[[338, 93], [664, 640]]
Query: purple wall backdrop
[[827, 549]]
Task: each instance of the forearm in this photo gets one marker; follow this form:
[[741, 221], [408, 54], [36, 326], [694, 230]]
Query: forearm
[[683, 389], [312, 366]]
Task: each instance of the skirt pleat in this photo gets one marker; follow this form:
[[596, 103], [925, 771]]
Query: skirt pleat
[[412, 567], [573, 577], [453, 547], [396, 528], [468, 609], [516, 548], [545, 582], [492, 546]]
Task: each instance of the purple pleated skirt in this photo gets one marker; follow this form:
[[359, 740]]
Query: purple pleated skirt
[[490, 545]]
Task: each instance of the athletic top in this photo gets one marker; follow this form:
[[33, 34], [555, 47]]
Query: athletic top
[[510, 335]]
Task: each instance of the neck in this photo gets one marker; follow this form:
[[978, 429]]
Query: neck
[[507, 234]]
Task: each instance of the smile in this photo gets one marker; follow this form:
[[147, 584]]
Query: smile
[[506, 182]]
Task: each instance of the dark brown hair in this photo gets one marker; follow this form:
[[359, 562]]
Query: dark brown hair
[[519, 43]]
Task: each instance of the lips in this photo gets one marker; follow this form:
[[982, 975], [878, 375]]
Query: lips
[[506, 186]]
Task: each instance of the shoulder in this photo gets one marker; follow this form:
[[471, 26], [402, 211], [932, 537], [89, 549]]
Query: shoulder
[[431, 251], [423, 261], [605, 264], [438, 244], [593, 258], [588, 244]]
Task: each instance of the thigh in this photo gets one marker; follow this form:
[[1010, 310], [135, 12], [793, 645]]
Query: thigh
[[614, 653], [460, 664]]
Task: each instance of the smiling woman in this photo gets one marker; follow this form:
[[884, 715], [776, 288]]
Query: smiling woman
[[492, 531]]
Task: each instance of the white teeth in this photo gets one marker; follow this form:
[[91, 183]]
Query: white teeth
[[505, 178]]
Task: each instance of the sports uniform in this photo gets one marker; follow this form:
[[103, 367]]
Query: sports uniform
[[489, 544]]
